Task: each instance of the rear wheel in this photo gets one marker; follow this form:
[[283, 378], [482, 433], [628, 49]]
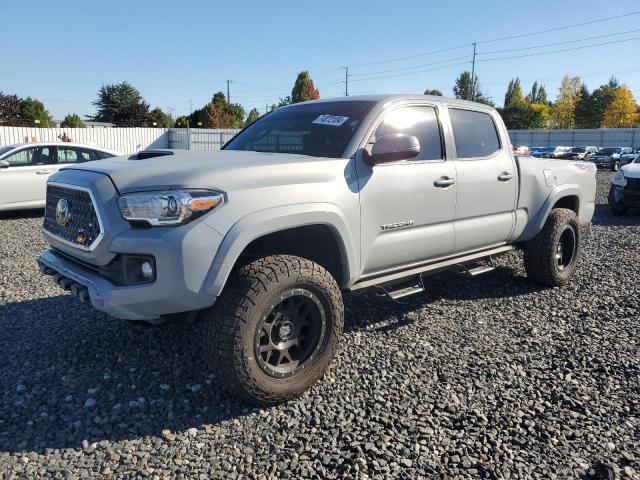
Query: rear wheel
[[551, 257], [274, 330]]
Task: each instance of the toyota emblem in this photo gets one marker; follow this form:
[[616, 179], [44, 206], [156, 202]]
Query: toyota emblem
[[63, 215]]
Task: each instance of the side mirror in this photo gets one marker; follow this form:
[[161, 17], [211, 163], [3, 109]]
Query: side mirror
[[392, 147], [4, 164]]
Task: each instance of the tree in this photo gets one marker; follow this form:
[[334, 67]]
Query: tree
[[283, 102], [622, 111], [538, 94], [597, 103], [218, 113], [563, 113], [434, 92], [467, 89], [584, 109], [514, 97], [160, 118], [123, 105], [252, 117], [182, 122], [72, 120], [10, 107], [33, 113], [304, 89]]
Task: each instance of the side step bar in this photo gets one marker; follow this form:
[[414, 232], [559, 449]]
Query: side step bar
[[405, 291], [472, 272], [434, 267]]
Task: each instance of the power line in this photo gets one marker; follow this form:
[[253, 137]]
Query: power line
[[379, 72], [411, 73], [558, 51], [559, 43], [399, 59], [549, 30]]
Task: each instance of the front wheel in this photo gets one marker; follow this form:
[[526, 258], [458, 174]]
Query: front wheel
[[274, 330], [551, 257]]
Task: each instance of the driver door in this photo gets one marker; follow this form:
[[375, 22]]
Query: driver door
[[407, 206]]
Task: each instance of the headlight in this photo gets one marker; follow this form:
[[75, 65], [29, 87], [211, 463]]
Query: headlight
[[619, 180], [172, 207]]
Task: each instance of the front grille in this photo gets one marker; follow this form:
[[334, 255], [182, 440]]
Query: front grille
[[633, 184], [79, 226]]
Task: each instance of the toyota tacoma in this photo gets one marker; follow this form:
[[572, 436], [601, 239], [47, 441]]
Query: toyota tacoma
[[314, 199]]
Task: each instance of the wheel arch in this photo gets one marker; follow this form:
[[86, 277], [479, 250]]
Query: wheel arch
[[567, 196], [319, 221]]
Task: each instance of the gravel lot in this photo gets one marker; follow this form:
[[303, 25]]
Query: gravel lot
[[490, 377]]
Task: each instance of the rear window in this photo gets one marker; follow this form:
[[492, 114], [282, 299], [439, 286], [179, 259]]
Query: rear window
[[474, 132]]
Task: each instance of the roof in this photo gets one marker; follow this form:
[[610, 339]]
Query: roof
[[61, 144], [395, 97]]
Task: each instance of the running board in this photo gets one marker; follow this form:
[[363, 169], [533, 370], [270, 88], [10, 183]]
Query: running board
[[406, 291], [472, 272], [431, 268]]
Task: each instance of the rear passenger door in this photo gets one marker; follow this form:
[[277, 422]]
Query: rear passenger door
[[487, 180]]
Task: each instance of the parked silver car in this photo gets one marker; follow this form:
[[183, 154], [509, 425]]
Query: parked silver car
[[25, 168]]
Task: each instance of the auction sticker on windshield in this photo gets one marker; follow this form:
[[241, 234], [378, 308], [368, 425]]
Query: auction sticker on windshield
[[332, 120]]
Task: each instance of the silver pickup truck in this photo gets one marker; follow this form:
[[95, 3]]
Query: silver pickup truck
[[313, 199]]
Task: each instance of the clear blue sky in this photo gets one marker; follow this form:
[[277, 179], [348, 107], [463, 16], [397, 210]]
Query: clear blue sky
[[177, 51]]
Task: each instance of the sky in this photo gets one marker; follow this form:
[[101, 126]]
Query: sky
[[179, 53]]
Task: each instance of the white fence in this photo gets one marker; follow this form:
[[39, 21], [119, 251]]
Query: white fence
[[599, 137], [199, 138], [123, 140]]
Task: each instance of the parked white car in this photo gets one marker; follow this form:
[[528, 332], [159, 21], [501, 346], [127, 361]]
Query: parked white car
[[625, 188], [25, 168]]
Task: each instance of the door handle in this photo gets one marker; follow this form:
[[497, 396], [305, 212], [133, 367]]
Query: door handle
[[505, 177], [444, 182], [43, 172]]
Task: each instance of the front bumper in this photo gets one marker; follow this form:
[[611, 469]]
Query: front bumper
[[627, 197]]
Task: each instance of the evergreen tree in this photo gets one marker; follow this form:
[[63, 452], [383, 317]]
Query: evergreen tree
[[123, 105], [513, 97], [304, 89], [252, 117], [434, 92], [467, 89], [10, 106]]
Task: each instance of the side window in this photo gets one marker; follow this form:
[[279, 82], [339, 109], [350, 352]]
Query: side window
[[474, 132], [67, 155], [420, 122], [31, 156]]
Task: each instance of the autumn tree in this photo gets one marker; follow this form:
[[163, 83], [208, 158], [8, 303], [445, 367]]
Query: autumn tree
[[72, 120], [563, 113], [622, 111], [304, 89], [252, 117], [218, 113]]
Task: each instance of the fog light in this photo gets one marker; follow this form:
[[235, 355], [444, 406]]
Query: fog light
[[146, 269]]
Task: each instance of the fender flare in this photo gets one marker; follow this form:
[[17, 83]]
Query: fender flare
[[271, 220], [536, 224]]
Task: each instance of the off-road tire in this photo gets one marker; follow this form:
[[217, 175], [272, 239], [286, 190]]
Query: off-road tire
[[230, 327], [540, 252], [616, 208]]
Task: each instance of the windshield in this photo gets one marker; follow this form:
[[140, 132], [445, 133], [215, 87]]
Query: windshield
[[4, 150], [318, 129], [609, 151], [578, 150]]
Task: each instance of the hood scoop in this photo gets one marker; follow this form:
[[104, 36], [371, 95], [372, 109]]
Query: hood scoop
[[143, 154]]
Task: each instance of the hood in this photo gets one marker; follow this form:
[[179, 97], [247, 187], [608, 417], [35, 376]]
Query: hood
[[224, 170], [632, 170]]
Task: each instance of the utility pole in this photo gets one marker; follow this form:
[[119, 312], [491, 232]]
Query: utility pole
[[266, 107], [346, 81], [189, 124], [228, 96], [473, 74]]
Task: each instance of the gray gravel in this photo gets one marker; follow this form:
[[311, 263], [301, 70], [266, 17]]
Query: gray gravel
[[490, 377]]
